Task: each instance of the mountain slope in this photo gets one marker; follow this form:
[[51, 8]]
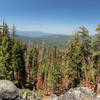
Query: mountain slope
[[31, 33], [44, 38]]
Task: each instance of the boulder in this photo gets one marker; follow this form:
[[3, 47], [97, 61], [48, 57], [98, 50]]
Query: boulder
[[8, 90], [79, 93], [97, 97]]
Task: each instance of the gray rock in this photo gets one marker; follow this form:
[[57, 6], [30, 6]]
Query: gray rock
[[8, 90], [0, 98], [24, 97], [54, 97], [35, 97], [61, 97], [98, 97], [79, 93]]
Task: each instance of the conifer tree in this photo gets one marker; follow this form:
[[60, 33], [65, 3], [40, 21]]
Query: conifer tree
[[6, 70], [96, 54], [85, 48], [74, 60], [33, 64], [54, 73], [18, 62]]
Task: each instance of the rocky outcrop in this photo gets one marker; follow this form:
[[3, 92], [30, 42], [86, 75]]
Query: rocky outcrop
[[80, 93], [8, 90]]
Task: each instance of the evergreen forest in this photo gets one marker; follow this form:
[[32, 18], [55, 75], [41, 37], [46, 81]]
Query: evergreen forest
[[50, 70]]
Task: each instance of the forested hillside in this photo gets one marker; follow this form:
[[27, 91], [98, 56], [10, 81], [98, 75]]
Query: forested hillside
[[50, 41], [34, 34], [51, 70]]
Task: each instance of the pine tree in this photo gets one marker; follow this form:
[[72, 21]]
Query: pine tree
[[85, 48], [18, 62], [96, 54], [33, 64], [74, 60], [6, 70], [55, 72]]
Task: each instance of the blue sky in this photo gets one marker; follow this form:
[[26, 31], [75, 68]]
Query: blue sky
[[52, 16]]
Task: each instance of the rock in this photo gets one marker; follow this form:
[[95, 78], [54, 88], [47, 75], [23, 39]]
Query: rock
[[0, 98], [8, 90], [98, 97], [35, 97], [79, 93], [98, 88], [24, 97], [61, 97], [54, 97]]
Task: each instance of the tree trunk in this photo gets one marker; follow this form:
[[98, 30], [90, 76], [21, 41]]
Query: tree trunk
[[85, 70]]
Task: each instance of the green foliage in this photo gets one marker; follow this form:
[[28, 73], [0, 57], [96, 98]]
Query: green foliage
[[11, 55], [96, 54], [98, 28], [80, 61], [56, 72], [18, 61], [85, 41], [6, 70], [29, 92], [50, 41], [54, 75], [85, 45], [44, 69], [33, 62], [74, 60]]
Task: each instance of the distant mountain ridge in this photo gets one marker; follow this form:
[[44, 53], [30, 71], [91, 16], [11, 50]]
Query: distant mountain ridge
[[32, 33], [50, 40]]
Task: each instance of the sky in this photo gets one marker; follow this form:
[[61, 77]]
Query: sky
[[51, 16]]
